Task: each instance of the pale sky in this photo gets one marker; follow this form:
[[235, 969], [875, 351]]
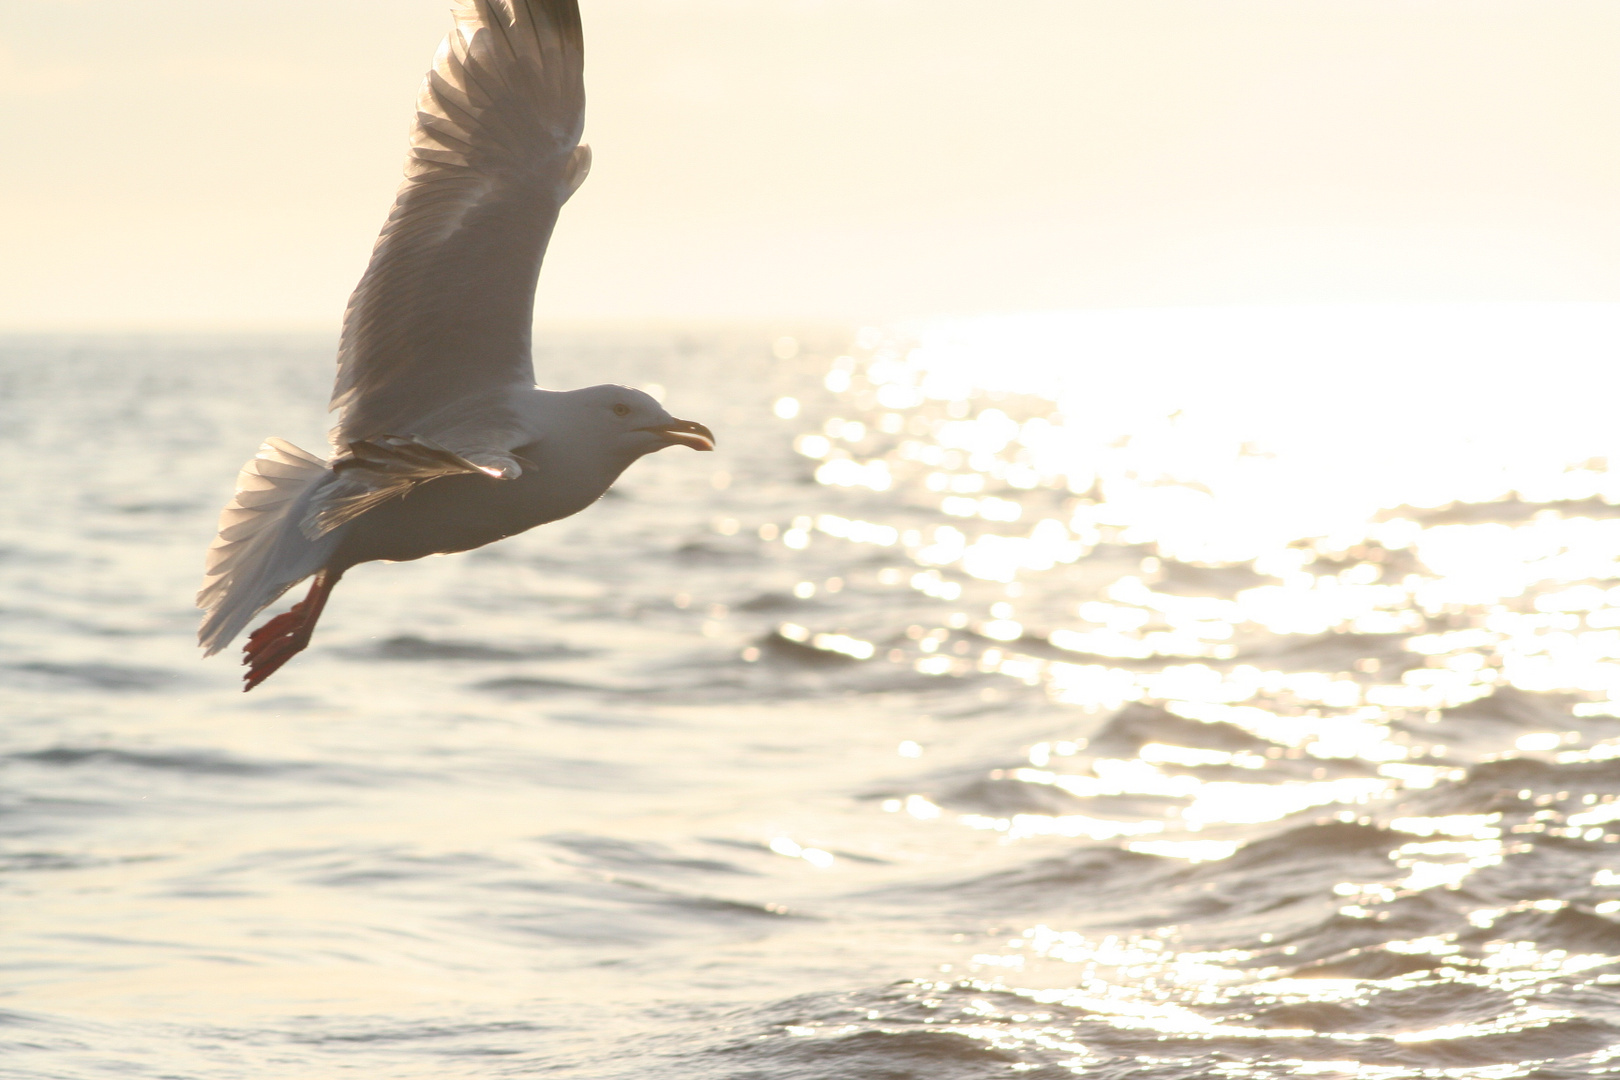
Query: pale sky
[[180, 163]]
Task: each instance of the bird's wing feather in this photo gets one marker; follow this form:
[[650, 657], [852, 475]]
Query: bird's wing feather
[[378, 470], [437, 333]]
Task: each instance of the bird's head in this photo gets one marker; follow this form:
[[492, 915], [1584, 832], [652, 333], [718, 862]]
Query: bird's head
[[631, 422]]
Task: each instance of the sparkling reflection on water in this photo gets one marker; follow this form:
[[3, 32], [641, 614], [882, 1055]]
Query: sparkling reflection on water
[[1159, 694]]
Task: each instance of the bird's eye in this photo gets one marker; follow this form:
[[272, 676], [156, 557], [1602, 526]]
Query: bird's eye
[[621, 409]]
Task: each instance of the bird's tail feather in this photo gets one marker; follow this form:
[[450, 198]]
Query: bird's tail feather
[[260, 551]]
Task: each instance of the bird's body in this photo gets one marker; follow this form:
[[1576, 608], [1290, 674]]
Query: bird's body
[[456, 513], [444, 443], [562, 475]]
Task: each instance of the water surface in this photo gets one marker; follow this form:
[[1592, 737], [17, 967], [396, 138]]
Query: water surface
[[1153, 695]]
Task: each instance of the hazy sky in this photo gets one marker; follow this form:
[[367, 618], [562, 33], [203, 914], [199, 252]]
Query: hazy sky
[[190, 163]]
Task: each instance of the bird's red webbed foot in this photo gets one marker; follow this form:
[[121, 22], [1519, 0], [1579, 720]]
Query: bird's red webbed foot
[[274, 643], [286, 635]]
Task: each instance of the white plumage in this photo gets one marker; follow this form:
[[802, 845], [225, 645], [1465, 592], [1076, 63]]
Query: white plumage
[[443, 442], [254, 560]]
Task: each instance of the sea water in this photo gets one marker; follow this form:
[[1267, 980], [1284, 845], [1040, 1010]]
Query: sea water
[[1159, 694]]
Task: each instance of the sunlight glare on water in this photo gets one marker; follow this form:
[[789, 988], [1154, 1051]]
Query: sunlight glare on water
[[1429, 486]]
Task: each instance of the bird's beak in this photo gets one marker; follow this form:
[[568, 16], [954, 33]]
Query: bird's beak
[[686, 432]]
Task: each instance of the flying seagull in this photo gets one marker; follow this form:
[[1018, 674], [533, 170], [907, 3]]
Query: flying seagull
[[444, 442]]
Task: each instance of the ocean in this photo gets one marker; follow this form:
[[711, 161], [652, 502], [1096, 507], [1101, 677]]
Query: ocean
[[1149, 694]]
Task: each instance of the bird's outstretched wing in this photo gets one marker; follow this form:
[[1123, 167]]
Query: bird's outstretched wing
[[438, 331]]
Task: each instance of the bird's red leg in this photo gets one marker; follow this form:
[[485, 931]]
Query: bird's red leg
[[285, 636]]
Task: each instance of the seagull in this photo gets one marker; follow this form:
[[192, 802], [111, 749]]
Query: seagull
[[443, 443]]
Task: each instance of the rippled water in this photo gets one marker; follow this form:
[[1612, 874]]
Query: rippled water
[[1152, 695]]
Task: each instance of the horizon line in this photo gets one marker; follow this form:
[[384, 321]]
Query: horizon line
[[771, 323]]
